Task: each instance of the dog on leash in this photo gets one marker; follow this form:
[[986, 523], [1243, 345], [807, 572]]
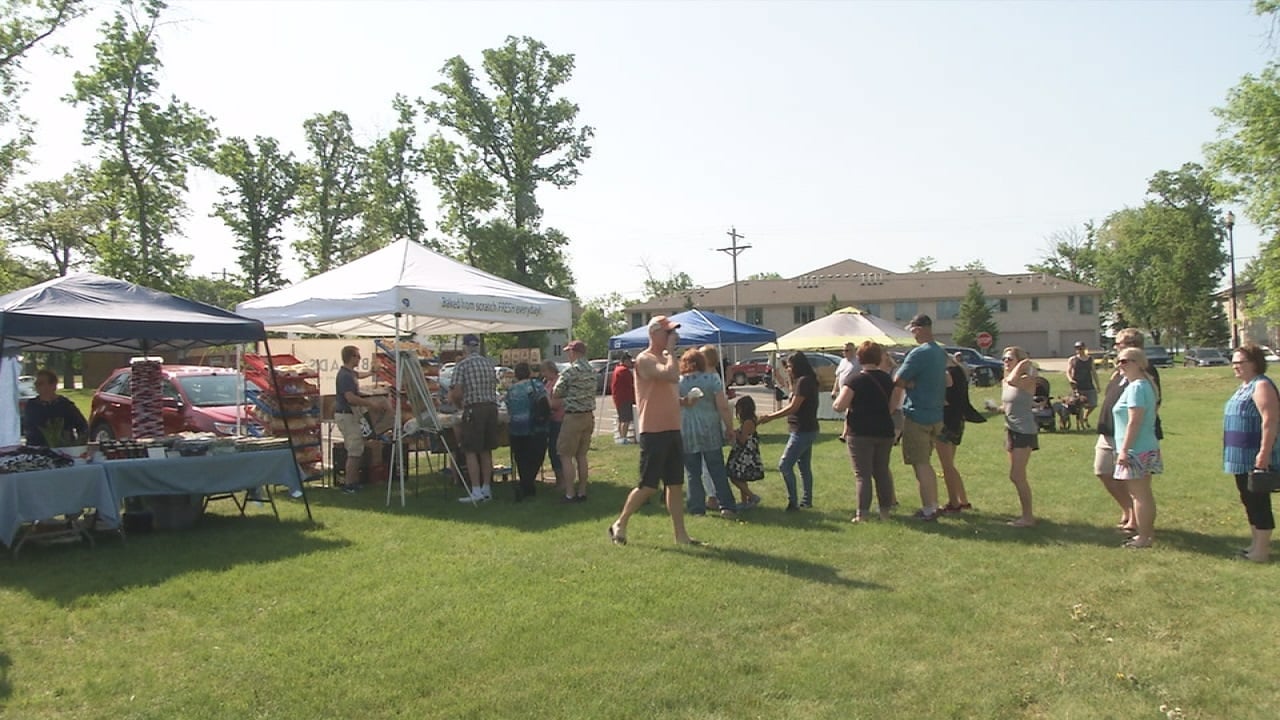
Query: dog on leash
[[1075, 406]]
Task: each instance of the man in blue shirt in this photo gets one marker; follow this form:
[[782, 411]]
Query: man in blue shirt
[[923, 380]]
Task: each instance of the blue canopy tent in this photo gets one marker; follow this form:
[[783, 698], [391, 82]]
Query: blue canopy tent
[[699, 327]]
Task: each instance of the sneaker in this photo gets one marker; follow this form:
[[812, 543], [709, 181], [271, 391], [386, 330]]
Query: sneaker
[[348, 489], [567, 500], [925, 517], [806, 503], [476, 496], [792, 507], [950, 509], [749, 503], [728, 515]]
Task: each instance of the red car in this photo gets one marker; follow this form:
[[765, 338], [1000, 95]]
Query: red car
[[196, 399], [751, 370]]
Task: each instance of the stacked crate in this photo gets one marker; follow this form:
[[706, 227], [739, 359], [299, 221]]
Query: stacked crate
[[289, 406]]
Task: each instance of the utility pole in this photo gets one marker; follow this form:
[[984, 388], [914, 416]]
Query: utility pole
[[733, 251]]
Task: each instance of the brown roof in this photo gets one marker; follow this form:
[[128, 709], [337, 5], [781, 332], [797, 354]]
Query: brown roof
[[845, 266], [816, 288]]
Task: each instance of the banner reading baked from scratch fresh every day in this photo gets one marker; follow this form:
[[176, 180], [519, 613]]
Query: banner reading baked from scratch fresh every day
[[504, 307]]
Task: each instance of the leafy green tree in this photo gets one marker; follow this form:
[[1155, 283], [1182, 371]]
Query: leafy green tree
[[676, 283], [395, 163], [1163, 261], [331, 194], [600, 319], [1070, 254], [59, 219], [765, 276], [1247, 155], [974, 317], [264, 183], [924, 264], [218, 292], [521, 133], [466, 193], [146, 145], [832, 305], [24, 24]]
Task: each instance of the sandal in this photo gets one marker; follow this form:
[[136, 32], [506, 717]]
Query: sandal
[[616, 537]]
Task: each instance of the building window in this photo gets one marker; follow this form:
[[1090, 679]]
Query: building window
[[1086, 305], [1035, 304], [1071, 303], [947, 310], [872, 308], [998, 304], [755, 316], [803, 314], [904, 311], [637, 319]]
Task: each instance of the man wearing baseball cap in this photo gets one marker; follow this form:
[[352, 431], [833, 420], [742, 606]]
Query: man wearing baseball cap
[[576, 389], [658, 421], [475, 392], [922, 380], [1084, 379]]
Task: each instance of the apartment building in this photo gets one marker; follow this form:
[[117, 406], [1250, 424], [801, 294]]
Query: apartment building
[[1044, 314]]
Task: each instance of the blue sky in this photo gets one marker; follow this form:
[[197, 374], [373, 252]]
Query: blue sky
[[820, 130]]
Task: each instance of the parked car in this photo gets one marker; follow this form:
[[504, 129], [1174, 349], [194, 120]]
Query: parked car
[[604, 368], [824, 365], [1271, 355], [196, 399], [751, 371], [1159, 356], [445, 378], [983, 370], [1204, 357]]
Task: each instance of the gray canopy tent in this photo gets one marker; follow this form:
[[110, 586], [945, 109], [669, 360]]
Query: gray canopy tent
[[86, 312]]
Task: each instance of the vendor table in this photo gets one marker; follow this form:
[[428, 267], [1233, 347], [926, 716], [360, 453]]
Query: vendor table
[[43, 494], [205, 475]]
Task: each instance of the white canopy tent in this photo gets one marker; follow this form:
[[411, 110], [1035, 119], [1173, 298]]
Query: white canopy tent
[[405, 287]]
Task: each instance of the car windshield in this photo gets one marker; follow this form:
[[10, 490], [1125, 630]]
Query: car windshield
[[211, 390], [1208, 353], [1157, 351]]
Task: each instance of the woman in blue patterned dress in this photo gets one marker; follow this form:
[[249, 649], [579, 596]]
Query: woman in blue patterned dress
[[706, 422], [1250, 422]]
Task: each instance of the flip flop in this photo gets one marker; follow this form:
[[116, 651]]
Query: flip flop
[[617, 538]]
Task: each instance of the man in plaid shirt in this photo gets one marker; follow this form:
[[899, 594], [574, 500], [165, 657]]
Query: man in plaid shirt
[[577, 389], [475, 392]]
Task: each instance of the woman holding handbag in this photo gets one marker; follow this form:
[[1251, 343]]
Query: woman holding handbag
[[1250, 422]]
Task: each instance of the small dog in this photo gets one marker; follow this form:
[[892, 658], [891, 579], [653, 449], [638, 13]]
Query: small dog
[[1076, 408], [1062, 409]]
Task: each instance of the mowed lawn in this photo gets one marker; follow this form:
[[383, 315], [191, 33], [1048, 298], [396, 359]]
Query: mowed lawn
[[440, 610]]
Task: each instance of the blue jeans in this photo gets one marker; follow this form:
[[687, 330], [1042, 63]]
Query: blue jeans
[[553, 435], [719, 478], [799, 451]]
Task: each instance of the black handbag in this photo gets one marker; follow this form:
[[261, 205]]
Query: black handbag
[[1264, 481]]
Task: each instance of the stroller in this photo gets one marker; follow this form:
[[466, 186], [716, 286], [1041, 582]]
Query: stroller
[[1042, 407]]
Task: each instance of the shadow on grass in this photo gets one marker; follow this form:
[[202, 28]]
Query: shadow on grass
[[6, 689], [789, 566], [1048, 532], [438, 500], [66, 573]]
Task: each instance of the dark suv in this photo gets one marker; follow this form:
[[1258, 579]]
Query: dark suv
[[196, 398], [984, 370]]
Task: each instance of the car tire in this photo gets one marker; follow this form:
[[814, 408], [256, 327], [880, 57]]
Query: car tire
[[100, 432], [739, 378]]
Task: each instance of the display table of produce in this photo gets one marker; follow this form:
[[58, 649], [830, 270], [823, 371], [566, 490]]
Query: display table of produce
[[42, 494]]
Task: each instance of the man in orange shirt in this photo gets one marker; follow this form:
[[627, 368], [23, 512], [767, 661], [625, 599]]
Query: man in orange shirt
[[661, 451]]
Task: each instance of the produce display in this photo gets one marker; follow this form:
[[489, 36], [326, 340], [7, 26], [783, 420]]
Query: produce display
[[27, 459]]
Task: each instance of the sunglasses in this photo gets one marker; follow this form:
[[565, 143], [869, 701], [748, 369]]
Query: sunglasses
[[1007, 359], [1123, 361]]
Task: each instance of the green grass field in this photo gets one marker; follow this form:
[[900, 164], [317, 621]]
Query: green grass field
[[441, 610]]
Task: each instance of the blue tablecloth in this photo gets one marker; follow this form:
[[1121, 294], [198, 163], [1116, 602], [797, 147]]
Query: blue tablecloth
[[205, 475], [43, 494]]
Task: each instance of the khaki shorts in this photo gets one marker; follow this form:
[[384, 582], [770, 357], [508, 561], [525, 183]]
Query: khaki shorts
[[917, 441], [1104, 456], [575, 433], [479, 428], [352, 435]]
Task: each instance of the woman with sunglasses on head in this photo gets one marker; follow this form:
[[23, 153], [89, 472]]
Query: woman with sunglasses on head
[[1137, 449], [1251, 420], [801, 413], [1021, 430]]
